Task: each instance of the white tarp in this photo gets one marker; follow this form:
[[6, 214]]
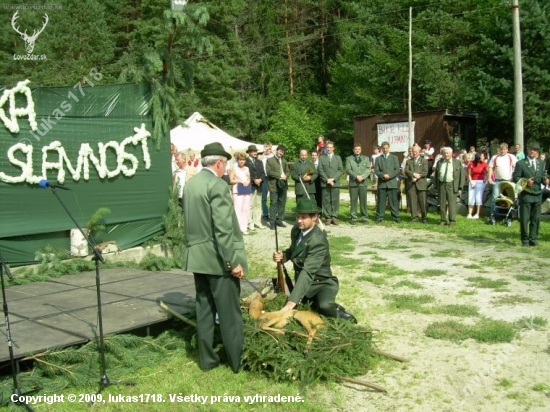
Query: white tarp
[[198, 132]]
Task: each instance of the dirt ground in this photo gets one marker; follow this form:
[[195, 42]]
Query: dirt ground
[[442, 375]]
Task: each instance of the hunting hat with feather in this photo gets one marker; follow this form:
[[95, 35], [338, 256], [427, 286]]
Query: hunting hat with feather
[[215, 149], [305, 205]]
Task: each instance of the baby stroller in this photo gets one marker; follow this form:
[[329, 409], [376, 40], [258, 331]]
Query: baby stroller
[[506, 205]]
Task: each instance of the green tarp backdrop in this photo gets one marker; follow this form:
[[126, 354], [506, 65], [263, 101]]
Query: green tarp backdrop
[[97, 142]]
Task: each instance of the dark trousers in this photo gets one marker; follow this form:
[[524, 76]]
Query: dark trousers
[[324, 300], [277, 203], [318, 193], [447, 197], [219, 294], [384, 194], [265, 210], [417, 199], [331, 202], [529, 221], [358, 193]]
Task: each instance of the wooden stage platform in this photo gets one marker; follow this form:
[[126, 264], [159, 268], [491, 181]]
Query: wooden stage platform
[[63, 311]]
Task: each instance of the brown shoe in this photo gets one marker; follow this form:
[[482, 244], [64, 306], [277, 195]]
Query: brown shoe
[[443, 223], [452, 223], [335, 222], [327, 222]]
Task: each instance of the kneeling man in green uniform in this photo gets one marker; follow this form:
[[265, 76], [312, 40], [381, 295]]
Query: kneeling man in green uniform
[[310, 255]]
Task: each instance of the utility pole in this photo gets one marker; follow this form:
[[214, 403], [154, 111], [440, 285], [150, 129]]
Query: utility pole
[[518, 82], [411, 135]]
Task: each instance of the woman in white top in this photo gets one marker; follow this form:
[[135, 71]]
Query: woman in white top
[[239, 177]]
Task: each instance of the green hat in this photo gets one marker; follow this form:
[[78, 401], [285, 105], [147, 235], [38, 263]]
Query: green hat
[[306, 205], [214, 149], [534, 145]]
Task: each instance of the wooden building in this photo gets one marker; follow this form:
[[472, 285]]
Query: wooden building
[[442, 128]]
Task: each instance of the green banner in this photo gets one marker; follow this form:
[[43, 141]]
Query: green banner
[[96, 141]]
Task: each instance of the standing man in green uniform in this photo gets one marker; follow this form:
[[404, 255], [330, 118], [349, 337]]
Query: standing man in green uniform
[[304, 175], [531, 170], [386, 167], [277, 171], [330, 170], [358, 170], [310, 255], [416, 185], [449, 180], [216, 256]]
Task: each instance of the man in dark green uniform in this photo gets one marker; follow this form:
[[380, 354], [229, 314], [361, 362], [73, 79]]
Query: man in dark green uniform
[[449, 180], [330, 170], [304, 175], [358, 169], [310, 255], [216, 256], [386, 167], [529, 174]]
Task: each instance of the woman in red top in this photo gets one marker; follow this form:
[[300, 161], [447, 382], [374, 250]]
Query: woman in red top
[[477, 176]]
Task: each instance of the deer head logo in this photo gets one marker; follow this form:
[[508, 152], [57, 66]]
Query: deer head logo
[[29, 40]]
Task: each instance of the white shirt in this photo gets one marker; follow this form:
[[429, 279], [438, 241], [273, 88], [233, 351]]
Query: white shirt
[[503, 166]]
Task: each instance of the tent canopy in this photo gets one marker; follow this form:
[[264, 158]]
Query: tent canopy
[[198, 132]]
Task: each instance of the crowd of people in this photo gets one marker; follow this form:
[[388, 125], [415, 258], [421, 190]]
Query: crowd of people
[[218, 214]]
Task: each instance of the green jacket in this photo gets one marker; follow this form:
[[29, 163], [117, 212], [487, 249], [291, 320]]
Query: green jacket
[[523, 170], [388, 166], [421, 167], [330, 169], [298, 171], [354, 169], [273, 172], [311, 260], [213, 238]]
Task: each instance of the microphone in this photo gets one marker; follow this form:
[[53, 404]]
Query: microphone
[[45, 184]]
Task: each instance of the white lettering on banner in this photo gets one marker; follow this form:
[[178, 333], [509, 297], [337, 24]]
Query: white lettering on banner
[[14, 112], [126, 163], [396, 134]]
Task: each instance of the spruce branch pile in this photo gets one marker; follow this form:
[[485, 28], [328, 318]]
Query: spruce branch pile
[[340, 348]]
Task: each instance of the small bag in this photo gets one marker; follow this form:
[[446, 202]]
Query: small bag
[[244, 190]]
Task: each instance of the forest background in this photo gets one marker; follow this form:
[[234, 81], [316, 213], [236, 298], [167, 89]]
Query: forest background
[[288, 70]]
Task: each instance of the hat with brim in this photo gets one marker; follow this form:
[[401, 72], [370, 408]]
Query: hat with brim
[[305, 205], [215, 149], [252, 148], [534, 146]]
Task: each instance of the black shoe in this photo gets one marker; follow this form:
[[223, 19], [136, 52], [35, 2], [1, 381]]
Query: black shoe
[[533, 243], [378, 221], [353, 222], [397, 220], [415, 220], [281, 224], [424, 220], [342, 314], [271, 225], [525, 244]]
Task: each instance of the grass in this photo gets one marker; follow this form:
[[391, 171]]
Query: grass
[[531, 322], [340, 248], [511, 300], [473, 266], [409, 284], [386, 269], [485, 331], [457, 310], [431, 272], [505, 383], [486, 283], [417, 256], [376, 280], [531, 278], [466, 292], [448, 253], [409, 301]]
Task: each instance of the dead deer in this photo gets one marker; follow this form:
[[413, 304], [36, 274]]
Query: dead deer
[[275, 321]]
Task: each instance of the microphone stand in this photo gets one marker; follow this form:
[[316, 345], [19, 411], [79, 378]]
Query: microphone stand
[[16, 393], [98, 257]]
